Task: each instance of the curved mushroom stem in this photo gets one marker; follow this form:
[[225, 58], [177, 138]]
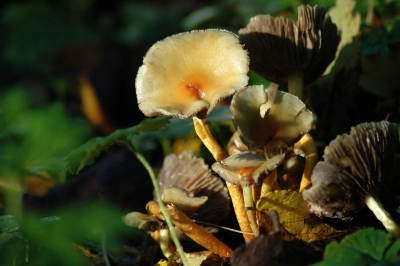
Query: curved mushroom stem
[[249, 205], [165, 243], [235, 192], [296, 84], [306, 143], [376, 207], [191, 229], [202, 130], [269, 182]]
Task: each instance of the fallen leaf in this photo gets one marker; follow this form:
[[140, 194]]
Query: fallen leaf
[[294, 215], [342, 14], [191, 259], [272, 250]]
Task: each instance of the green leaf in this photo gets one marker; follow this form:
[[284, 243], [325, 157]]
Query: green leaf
[[86, 154], [365, 247]]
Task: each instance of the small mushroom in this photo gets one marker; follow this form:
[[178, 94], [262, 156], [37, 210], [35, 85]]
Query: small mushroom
[[187, 74], [188, 183], [357, 167], [288, 52], [269, 125]]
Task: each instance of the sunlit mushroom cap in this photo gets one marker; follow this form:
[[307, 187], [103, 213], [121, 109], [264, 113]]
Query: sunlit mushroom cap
[[251, 167], [279, 46], [267, 124], [189, 73], [198, 193], [355, 164]]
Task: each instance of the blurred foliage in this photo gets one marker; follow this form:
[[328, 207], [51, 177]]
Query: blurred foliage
[[47, 241], [87, 153], [33, 139]]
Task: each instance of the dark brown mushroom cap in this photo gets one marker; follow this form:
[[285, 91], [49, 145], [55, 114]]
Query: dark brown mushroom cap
[[355, 164], [193, 175], [267, 127], [279, 46]]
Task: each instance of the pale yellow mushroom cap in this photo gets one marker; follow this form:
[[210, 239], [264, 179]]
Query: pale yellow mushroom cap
[[189, 73]]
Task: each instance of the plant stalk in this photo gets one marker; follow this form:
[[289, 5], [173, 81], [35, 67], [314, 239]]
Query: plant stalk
[[160, 202]]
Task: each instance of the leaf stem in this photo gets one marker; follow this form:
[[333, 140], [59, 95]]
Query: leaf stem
[[159, 200]]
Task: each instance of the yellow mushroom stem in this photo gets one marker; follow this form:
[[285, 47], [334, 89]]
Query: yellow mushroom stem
[[268, 182], [235, 191], [306, 144], [296, 84], [156, 235], [191, 229], [165, 243], [202, 130], [249, 205], [374, 204]]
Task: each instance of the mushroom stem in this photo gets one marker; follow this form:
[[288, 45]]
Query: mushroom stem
[[202, 130], [191, 229], [376, 207], [249, 205], [235, 191], [165, 243], [269, 182], [307, 144], [296, 84]]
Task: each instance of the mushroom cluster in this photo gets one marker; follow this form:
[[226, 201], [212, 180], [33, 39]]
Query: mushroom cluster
[[187, 74], [268, 122]]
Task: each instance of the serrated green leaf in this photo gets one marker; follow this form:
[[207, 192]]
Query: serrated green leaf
[[365, 247], [86, 154]]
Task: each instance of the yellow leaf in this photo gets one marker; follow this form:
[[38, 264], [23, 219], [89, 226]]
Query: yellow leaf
[[294, 216], [187, 143], [347, 22], [90, 103]]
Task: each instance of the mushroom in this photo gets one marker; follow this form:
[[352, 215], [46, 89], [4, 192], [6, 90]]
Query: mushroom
[[186, 75], [191, 192], [187, 182], [268, 122], [356, 167], [288, 52], [269, 125]]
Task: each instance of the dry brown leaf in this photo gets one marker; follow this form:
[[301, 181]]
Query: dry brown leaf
[[294, 215]]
